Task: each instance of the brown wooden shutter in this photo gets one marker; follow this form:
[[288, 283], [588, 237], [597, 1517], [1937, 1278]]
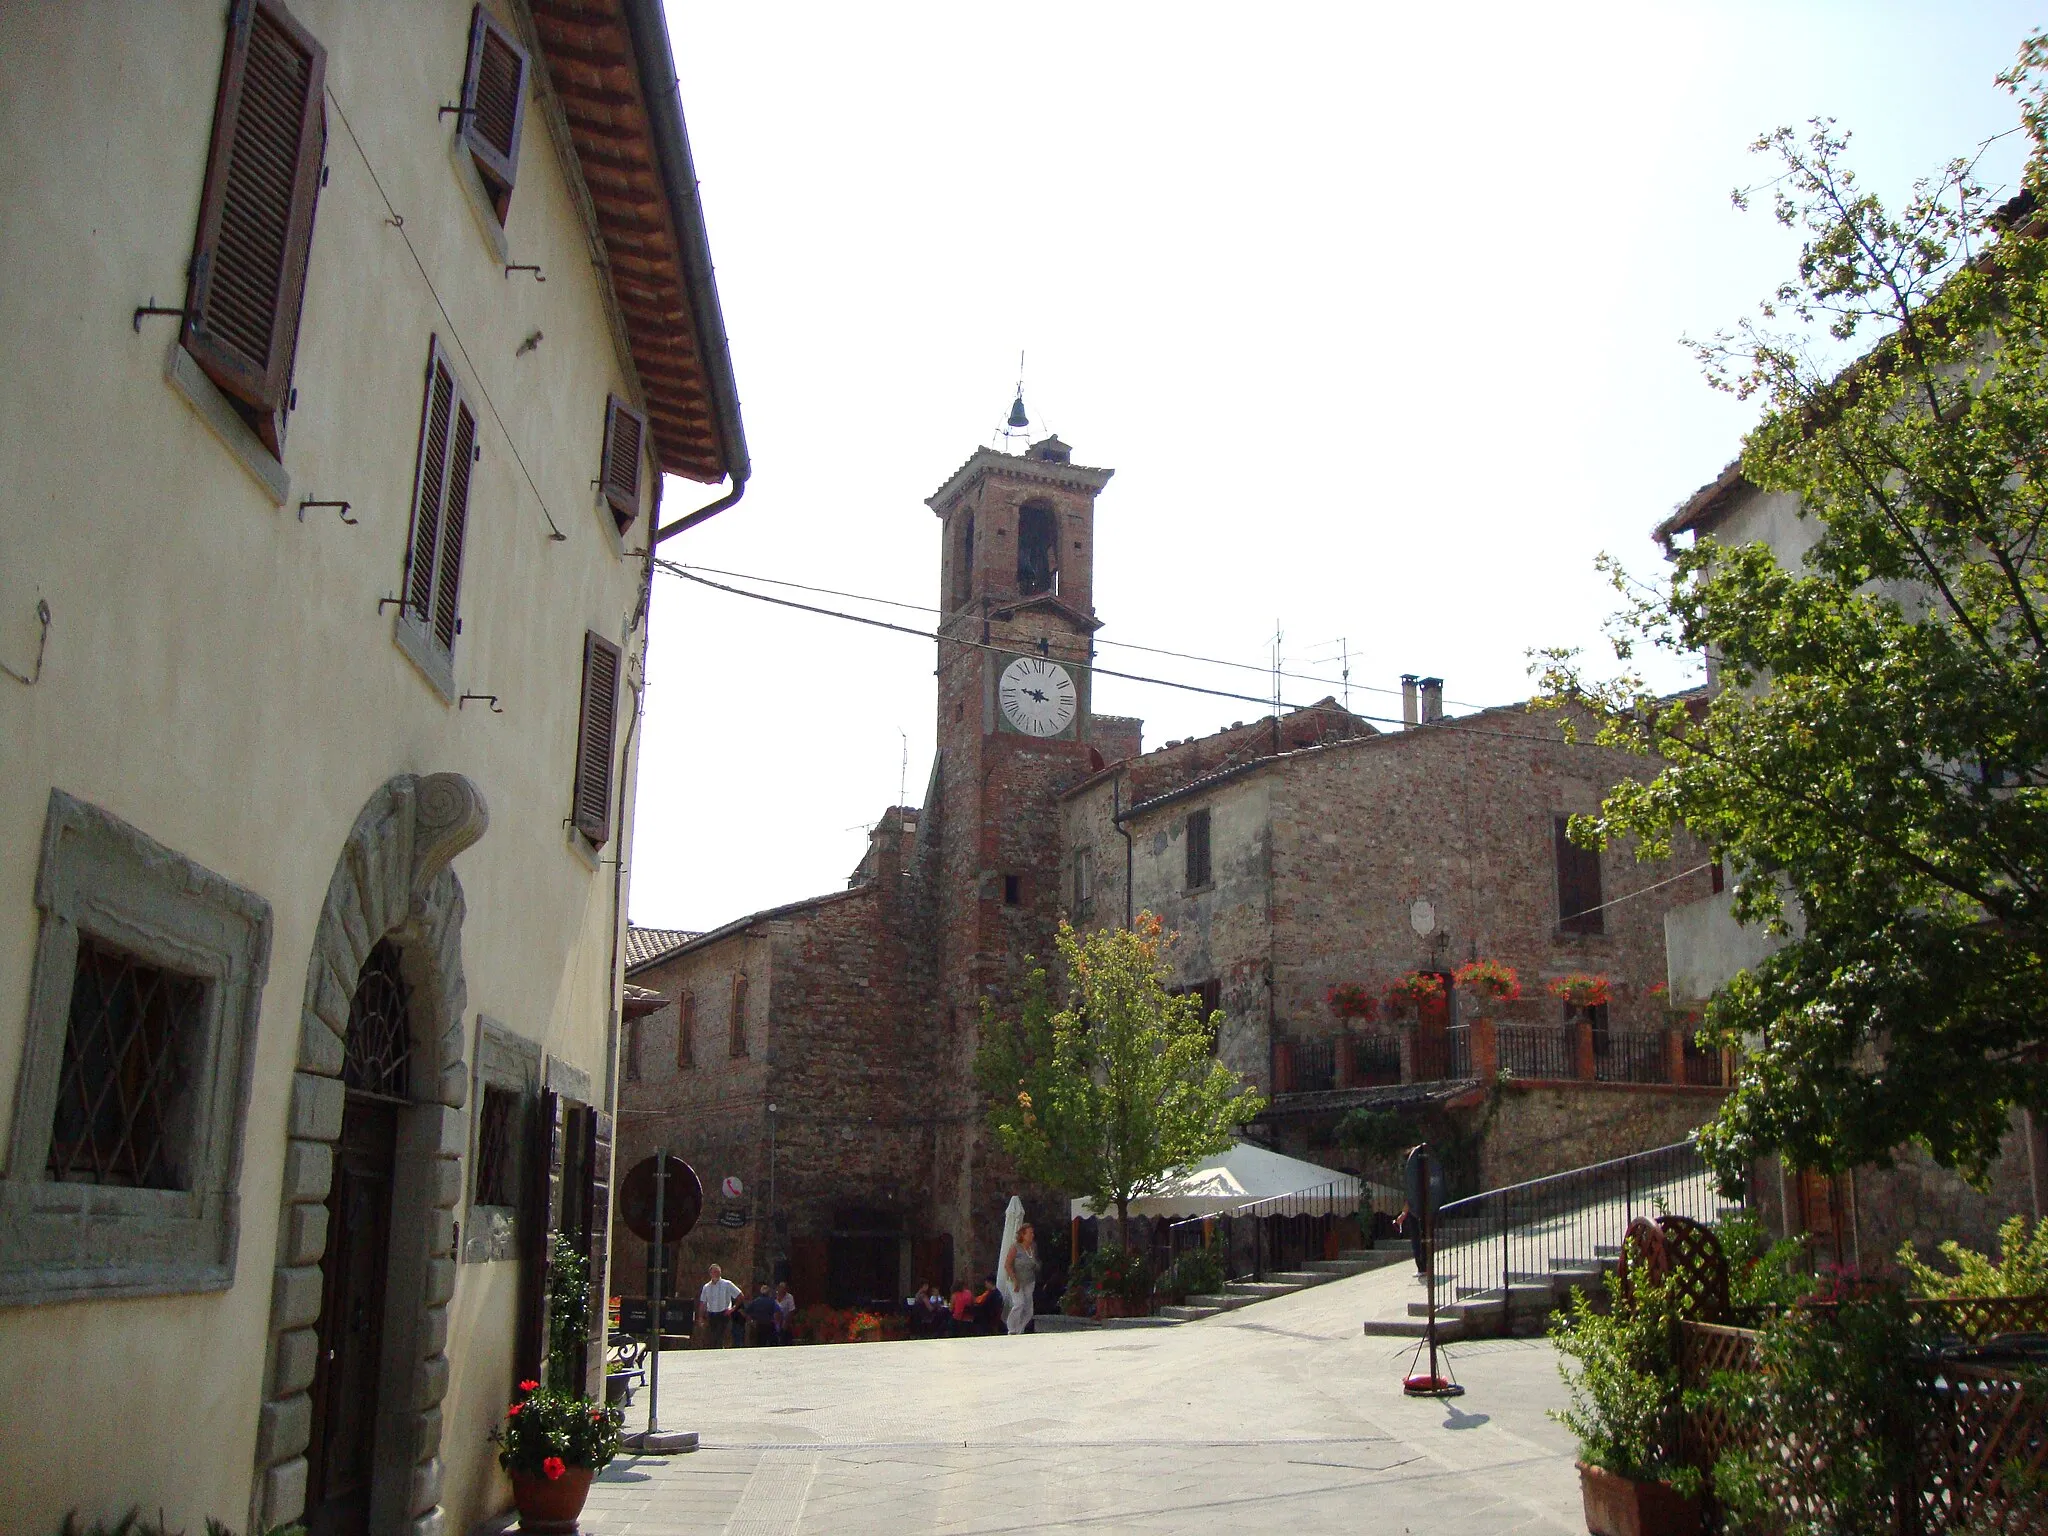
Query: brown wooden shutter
[[440, 513], [596, 733], [599, 1163], [494, 103], [1578, 883], [256, 213], [625, 430], [537, 1217]]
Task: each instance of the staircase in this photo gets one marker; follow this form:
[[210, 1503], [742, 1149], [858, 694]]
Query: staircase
[[1242, 1293], [1510, 1257]]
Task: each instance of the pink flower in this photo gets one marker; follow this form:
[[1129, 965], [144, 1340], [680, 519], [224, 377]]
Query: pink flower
[[554, 1466]]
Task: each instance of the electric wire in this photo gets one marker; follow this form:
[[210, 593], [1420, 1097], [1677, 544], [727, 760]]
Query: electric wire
[[1655, 885], [1126, 645], [397, 222], [673, 568]]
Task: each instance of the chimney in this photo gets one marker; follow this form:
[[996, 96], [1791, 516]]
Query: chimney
[[1408, 714], [1432, 699]]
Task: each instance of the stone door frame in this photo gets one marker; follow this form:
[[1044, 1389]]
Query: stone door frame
[[391, 881]]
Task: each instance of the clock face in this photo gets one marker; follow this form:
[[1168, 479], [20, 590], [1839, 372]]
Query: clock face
[[1037, 696]]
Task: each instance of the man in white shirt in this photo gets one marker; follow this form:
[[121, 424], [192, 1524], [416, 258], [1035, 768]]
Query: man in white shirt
[[715, 1311]]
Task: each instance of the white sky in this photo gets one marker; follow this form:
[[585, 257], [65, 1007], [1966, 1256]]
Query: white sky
[[1375, 315]]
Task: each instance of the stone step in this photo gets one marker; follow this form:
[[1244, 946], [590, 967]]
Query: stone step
[[1190, 1313], [1300, 1279], [1447, 1329], [1220, 1302], [1362, 1263], [1259, 1290]]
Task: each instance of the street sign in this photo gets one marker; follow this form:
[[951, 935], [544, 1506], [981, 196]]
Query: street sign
[[732, 1188], [684, 1200], [733, 1216]]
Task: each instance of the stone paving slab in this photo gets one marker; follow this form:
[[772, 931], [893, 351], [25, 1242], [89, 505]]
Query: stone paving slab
[[1282, 1417]]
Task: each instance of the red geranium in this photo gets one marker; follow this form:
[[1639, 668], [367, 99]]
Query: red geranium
[[554, 1467], [529, 1386], [512, 1412], [1351, 1000], [1490, 978]]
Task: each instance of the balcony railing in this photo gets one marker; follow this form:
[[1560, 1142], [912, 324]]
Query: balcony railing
[[1632, 1056], [1430, 1053], [1537, 1050]]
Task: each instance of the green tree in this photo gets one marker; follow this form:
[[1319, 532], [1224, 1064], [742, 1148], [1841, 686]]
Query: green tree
[[1875, 759], [1108, 1087]]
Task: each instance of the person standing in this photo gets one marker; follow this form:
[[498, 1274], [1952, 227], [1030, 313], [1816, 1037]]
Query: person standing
[[761, 1316], [1021, 1269], [785, 1313], [715, 1312]]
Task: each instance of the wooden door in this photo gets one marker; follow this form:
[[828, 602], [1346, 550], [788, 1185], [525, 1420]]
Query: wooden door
[[351, 1328]]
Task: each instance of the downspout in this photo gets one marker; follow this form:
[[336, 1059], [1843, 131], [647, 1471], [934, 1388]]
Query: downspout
[[1116, 792], [701, 515]]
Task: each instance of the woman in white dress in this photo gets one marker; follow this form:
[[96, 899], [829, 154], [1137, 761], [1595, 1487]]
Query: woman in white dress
[[1017, 1268]]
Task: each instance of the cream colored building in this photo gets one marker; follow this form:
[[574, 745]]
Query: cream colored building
[[322, 600]]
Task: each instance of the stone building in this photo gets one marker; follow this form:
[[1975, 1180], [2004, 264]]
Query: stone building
[[323, 602], [820, 1053]]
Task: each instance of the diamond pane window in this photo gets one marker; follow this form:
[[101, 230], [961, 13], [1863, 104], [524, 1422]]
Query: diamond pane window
[[122, 1114], [497, 1148], [379, 1028]]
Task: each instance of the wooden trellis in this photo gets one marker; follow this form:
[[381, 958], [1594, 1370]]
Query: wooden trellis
[[1684, 1252]]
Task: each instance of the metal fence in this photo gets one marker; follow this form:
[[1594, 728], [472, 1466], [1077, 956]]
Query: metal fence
[[1375, 1058], [1521, 1233], [1538, 1050], [1279, 1233], [1315, 1065], [1442, 1053], [1631, 1056]]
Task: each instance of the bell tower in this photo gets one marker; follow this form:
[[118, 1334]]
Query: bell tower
[[1015, 730]]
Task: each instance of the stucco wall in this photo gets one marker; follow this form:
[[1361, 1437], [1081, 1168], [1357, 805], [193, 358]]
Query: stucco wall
[[219, 673]]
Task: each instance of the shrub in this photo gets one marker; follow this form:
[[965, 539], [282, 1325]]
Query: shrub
[[1761, 1273], [1352, 1000], [1124, 1273], [1198, 1272], [1621, 1370], [2021, 1268]]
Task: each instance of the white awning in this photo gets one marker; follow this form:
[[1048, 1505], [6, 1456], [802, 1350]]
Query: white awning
[[1242, 1175]]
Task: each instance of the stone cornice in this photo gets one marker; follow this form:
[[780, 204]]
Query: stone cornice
[[983, 461]]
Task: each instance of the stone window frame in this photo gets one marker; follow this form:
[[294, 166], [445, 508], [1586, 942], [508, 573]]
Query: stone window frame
[[686, 1030], [736, 1023], [503, 1059], [60, 1241]]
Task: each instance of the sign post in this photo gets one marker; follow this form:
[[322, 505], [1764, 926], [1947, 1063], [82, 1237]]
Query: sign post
[[660, 1200]]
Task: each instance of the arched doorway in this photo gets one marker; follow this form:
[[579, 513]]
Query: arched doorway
[[349, 1433]]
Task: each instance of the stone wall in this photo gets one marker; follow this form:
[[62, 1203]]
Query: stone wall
[[1546, 1128]]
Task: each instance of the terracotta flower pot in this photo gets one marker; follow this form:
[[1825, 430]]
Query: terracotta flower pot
[[1622, 1506], [550, 1505], [1111, 1306]]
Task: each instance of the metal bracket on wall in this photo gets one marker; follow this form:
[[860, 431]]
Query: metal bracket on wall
[[340, 506], [42, 644], [488, 698], [458, 111], [389, 602], [526, 266], [153, 308]]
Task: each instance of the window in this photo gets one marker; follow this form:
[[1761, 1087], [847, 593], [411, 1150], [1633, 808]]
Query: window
[[428, 620], [963, 565], [1037, 548], [377, 1054], [1578, 883], [1084, 882], [497, 1148], [1013, 890], [686, 1031], [632, 1051], [1198, 849], [625, 435], [596, 726], [494, 106], [737, 1044], [124, 1154], [248, 270], [123, 1096]]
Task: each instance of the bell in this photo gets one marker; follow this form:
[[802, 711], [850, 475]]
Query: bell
[[1017, 416]]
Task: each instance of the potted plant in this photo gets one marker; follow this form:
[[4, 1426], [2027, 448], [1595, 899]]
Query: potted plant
[[1408, 994], [1198, 1272], [1123, 1284], [1582, 991], [1352, 1000], [554, 1439], [1626, 1408], [1493, 981]]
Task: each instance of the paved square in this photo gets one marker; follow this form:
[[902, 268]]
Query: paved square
[[1281, 1417]]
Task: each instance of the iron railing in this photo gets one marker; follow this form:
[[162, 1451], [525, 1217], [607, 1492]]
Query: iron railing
[[1442, 1053], [1522, 1234], [1375, 1058], [1538, 1050], [1704, 1069], [1279, 1233], [1315, 1065], [1631, 1056]]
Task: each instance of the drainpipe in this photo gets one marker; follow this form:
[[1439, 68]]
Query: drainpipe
[[1116, 791]]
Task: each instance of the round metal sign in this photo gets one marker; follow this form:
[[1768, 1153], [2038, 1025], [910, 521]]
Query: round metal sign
[[732, 1188], [682, 1200]]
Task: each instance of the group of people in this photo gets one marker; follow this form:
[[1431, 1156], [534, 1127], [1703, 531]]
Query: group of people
[[724, 1319], [970, 1309]]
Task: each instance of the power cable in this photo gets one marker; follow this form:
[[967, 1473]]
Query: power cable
[[1125, 645], [397, 222], [673, 568], [1657, 885]]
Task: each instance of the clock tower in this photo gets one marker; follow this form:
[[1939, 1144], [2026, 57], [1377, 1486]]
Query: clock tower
[[1015, 730]]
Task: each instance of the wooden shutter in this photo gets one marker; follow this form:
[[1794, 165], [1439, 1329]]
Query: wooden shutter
[[440, 518], [494, 103], [625, 431], [598, 1161], [596, 732], [1198, 849], [256, 214], [538, 1214], [1578, 883]]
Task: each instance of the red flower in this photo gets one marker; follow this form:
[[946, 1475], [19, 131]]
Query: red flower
[[512, 1412], [528, 1386], [554, 1466], [597, 1415]]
